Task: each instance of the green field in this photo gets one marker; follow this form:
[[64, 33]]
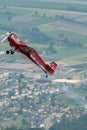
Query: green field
[[42, 14]]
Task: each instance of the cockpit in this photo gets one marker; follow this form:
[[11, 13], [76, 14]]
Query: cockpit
[[15, 38]]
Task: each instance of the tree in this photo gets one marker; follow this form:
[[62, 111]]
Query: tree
[[50, 49], [11, 93], [76, 124], [44, 15], [36, 13], [20, 111], [9, 17]]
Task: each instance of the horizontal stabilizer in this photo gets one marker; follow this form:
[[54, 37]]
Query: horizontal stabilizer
[[51, 67]]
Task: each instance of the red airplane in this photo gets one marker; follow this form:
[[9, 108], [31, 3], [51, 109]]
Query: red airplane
[[20, 46]]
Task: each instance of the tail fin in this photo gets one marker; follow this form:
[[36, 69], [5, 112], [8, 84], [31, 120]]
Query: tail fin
[[51, 67]]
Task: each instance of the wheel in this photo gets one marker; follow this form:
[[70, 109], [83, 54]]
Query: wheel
[[7, 52], [46, 76], [12, 52]]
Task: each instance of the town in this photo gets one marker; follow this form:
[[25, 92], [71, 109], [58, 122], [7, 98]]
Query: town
[[29, 99]]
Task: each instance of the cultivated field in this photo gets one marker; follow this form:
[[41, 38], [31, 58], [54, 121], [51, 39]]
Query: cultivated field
[[72, 24]]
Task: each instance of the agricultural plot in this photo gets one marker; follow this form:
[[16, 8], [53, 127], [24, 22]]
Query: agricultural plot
[[68, 55], [52, 22], [69, 27]]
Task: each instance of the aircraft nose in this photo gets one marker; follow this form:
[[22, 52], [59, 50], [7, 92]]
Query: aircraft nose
[[8, 33]]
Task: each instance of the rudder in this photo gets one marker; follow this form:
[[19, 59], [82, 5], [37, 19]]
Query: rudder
[[51, 67]]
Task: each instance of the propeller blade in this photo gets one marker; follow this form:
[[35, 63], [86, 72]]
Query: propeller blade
[[7, 34], [4, 39]]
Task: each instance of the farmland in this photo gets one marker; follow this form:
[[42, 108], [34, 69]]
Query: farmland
[[58, 22]]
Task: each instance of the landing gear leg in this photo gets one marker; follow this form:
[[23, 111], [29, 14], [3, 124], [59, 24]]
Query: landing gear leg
[[46, 76], [12, 52]]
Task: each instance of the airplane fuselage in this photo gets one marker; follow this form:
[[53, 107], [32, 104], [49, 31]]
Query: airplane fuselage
[[31, 53]]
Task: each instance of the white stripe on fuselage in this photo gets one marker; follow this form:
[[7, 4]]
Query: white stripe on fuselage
[[17, 40]]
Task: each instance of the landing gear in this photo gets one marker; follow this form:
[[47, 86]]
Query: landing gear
[[10, 51], [46, 76], [7, 52]]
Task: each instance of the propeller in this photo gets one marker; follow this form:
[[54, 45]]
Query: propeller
[[7, 35]]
